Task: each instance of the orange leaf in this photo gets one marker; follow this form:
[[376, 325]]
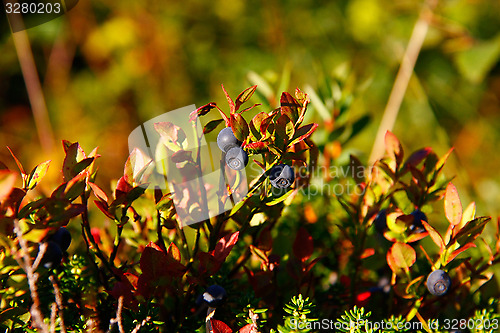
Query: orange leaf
[[393, 147], [452, 205], [220, 327], [459, 250], [174, 252], [436, 236], [401, 256]]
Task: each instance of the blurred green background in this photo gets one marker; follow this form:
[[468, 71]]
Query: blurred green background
[[107, 66]]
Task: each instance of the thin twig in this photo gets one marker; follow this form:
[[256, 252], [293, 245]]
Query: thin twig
[[402, 78], [118, 318], [32, 277], [53, 311], [208, 319], [59, 302], [141, 324]]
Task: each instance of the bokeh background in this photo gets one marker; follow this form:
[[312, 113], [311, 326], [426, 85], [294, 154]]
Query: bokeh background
[[107, 66]]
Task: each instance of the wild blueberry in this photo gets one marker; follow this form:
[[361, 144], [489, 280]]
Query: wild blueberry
[[52, 256], [282, 176], [438, 282], [380, 221], [226, 139], [236, 158], [214, 296], [418, 217], [61, 237]]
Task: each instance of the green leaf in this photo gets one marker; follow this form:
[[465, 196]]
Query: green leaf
[[452, 205], [401, 256], [471, 230], [358, 126], [255, 123], [468, 214], [277, 200], [394, 222], [244, 96], [82, 165], [303, 133], [212, 125], [476, 62]]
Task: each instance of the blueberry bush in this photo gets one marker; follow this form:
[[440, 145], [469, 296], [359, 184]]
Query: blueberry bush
[[317, 243]]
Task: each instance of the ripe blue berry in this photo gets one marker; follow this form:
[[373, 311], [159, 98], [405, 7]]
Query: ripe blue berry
[[380, 221], [282, 176], [438, 282], [61, 237], [226, 139], [214, 296], [418, 217], [236, 158], [52, 256]]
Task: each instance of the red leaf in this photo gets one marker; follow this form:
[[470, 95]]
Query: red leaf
[[99, 193], [435, 236], [74, 154], [224, 246], [155, 263], [289, 106], [418, 156], [122, 188], [158, 269], [232, 107], [201, 111], [239, 126], [459, 250], [304, 132], [220, 327], [367, 253], [311, 264], [19, 165], [265, 239], [452, 205], [393, 147], [257, 147], [303, 246], [103, 206], [256, 122], [248, 328]]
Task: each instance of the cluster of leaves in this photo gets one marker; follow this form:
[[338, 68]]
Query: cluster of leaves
[[148, 271]]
